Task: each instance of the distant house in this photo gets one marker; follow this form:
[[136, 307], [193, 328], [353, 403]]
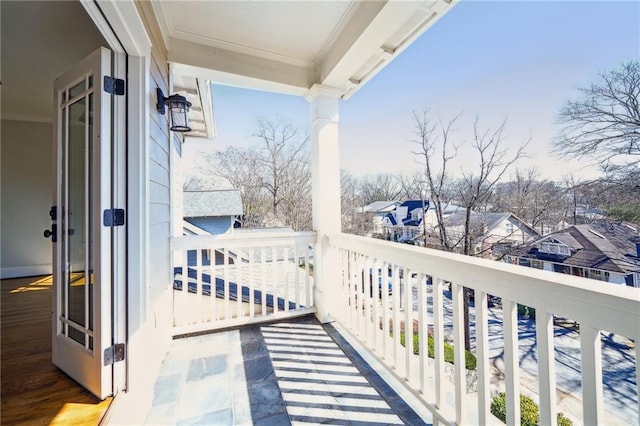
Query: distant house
[[431, 218], [491, 233], [405, 221], [378, 210], [605, 251], [215, 212]]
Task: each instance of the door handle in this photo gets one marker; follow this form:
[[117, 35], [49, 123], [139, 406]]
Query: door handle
[[52, 233]]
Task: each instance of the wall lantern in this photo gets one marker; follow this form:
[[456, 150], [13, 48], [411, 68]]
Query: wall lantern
[[178, 108]]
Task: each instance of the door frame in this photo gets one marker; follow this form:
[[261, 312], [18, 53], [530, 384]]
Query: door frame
[[120, 24]]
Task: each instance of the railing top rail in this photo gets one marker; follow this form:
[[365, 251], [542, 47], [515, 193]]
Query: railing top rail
[[611, 307], [257, 239]]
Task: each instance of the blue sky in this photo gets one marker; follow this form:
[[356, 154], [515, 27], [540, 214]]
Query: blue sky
[[518, 60]]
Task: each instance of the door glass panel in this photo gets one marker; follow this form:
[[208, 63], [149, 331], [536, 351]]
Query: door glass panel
[[62, 240], [89, 206], [77, 243], [76, 90]]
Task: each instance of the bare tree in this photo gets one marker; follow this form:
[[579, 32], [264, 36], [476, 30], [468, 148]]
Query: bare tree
[[536, 201], [379, 187], [354, 219], [604, 122], [283, 151], [435, 152], [476, 186], [241, 169], [493, 162]]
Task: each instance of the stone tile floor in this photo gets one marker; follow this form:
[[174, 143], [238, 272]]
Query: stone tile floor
[[293, 372]]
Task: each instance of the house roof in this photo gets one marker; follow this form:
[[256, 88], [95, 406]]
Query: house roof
[[414, 204], [490, 220], [392, 219], [380, 206], [609, 246], [212, 203]]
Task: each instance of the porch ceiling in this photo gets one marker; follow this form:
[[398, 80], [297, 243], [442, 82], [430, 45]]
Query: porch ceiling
[[287, 46]]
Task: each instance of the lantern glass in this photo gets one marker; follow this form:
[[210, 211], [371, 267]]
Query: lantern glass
[[179, 116]]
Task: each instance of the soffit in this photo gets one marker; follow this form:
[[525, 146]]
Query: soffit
[[290, 32], [289, 46]]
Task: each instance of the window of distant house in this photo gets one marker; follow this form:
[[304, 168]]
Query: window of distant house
[[509, 227], [554, 248], [537, 264]]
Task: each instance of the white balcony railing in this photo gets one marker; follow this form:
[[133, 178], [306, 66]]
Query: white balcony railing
[[236, 279], [386, 285], [383, 287]]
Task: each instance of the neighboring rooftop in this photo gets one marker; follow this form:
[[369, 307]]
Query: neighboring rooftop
[[609, 246], [212, 203], [380, 206]]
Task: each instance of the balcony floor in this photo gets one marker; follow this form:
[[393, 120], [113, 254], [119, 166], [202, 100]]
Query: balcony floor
[[291, 372]]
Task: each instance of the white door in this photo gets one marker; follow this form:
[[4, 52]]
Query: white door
[[82, 311]]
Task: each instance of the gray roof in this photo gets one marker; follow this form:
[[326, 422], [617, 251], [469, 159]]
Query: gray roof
[[212, 203], [610, 246], [380, 206]]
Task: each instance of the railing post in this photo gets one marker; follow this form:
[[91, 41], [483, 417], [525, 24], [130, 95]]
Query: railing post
[[591, 354], [546, 368], [325, 169]]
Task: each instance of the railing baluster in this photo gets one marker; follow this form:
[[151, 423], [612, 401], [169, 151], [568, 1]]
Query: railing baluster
[[213, 299], [199, 286], [353, 293], [482, 356], [239, 279], [457, 303], [227, 308], [422, 333], [296, 261], [307, 277], [591, 355], [252, 284], [263, 282], [546, 368], [385, 309], [361, 298], [375, 293], [366, 312], [511, 364], [408, 324], [396, 317], [438, 339], [275, 279], [285, 266]]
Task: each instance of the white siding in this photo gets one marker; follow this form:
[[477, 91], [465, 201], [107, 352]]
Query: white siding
[[159, 186]]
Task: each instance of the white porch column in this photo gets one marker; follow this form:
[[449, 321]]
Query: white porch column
[[325, 168]]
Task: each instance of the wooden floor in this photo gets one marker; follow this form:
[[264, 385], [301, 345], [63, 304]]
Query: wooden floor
[[34, 391]]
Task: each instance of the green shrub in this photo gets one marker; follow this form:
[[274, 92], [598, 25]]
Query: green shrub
[[526, 311], [529, 411], [469, 357]]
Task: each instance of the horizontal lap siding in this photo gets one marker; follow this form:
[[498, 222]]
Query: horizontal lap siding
[[159, 185]]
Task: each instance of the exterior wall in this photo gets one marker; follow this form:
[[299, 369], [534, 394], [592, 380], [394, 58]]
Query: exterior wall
[[213, 225], [26, 193]]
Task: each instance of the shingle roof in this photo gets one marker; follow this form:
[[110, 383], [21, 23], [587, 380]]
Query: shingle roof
[[609, 246], [212, 203], [380, 206]]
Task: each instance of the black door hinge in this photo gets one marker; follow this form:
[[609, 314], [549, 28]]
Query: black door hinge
[[115, 86], [113, 217], [114, 354]]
